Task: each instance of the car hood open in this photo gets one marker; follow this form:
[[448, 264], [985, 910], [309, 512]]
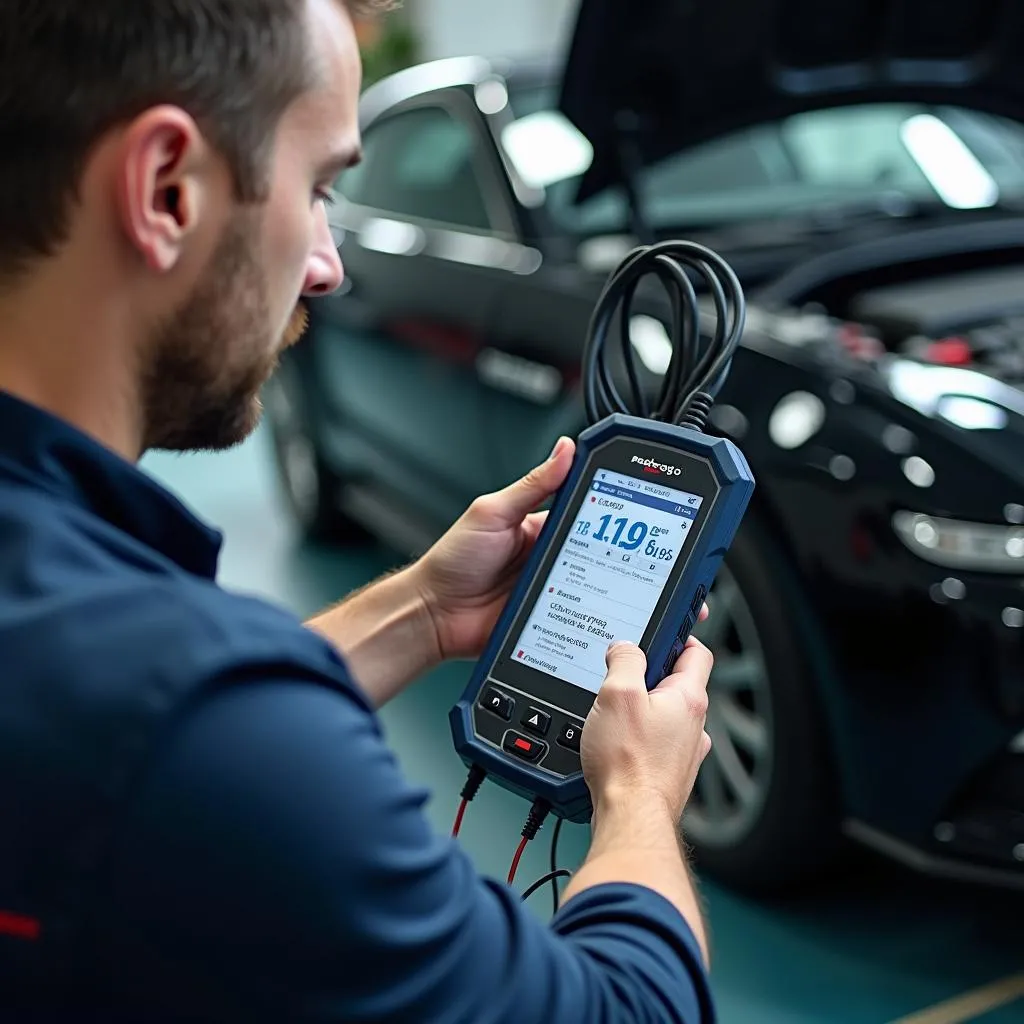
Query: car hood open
[[668, 74]]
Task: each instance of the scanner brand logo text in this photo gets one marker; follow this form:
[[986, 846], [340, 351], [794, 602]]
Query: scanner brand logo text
[[650, 466]]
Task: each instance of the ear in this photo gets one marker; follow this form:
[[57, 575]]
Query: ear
[[166, 172]]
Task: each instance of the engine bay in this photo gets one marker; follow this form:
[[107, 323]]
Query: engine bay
[[941, 306], [971, 319], [930, 310]]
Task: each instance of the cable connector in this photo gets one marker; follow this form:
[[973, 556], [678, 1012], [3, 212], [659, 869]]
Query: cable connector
[[473, 783], [470, 789], [538, 813], [535, 819], [696, 415]]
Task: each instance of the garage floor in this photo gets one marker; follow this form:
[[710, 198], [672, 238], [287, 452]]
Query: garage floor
[[879, 946]]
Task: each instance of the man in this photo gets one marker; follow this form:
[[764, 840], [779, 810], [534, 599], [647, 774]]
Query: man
[[199, 817]]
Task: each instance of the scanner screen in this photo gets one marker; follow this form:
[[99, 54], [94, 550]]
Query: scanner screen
[[607, 577]]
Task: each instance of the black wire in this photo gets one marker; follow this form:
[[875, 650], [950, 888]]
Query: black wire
[[554, 874], [693, 376], [639, 398], [551, 876]]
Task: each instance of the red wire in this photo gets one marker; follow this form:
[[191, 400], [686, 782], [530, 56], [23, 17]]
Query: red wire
[[459, 817], [515, 860]]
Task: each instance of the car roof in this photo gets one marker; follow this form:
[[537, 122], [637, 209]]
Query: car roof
[[454, 72]]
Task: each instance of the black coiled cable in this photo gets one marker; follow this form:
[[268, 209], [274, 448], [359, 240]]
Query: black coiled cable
[[693, 377]]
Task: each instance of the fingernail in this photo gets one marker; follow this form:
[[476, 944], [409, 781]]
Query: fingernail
[[554, 451]]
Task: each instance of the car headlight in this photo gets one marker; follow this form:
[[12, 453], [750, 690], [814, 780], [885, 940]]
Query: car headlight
[[958, 544]]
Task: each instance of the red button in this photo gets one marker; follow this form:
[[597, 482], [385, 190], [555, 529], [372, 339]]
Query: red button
[[523, 746]]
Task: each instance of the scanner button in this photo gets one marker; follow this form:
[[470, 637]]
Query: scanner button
[[570, 736], [497, 703], [673, 656], [536, 721], [699, 598], [523, 746]]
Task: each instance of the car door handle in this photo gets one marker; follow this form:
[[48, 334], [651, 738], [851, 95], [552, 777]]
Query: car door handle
[[390, 237]]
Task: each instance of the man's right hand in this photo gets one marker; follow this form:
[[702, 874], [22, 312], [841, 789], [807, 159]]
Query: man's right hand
[[638, 743], [641, 752]]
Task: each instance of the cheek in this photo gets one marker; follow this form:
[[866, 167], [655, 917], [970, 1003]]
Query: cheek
[[291, 227]]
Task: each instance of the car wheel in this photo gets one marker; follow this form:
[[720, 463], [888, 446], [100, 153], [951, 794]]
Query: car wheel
[[764, 809], [310, 486]]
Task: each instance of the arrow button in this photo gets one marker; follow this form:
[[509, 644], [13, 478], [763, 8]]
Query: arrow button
[[536, 721]]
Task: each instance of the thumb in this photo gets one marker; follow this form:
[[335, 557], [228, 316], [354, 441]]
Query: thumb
[[519, 499], [627, 664]]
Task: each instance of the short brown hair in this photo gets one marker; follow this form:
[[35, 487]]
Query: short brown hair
[[72, 69]]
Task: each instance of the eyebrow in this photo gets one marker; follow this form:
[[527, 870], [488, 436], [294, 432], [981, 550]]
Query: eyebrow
[[341, 160]]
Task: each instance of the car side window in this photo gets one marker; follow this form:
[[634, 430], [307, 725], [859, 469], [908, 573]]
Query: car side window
[[420, 163]]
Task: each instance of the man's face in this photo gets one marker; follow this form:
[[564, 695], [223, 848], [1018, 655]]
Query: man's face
[[209, 359]]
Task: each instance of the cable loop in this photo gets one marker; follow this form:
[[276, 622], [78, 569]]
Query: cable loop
[[695, 372]]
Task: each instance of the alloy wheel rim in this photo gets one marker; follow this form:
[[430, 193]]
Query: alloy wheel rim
[[733, 781]]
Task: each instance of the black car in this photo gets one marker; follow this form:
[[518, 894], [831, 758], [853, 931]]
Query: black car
[[861, 167]]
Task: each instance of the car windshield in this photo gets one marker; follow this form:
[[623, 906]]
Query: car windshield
[[882, 153]]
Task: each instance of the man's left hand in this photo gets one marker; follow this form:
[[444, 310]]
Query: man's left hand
[[466, 578]]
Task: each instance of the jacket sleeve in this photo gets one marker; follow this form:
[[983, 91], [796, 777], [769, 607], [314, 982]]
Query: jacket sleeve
[[274, 864]]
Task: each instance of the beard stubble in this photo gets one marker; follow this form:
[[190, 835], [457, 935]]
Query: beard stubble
[[204, 371]]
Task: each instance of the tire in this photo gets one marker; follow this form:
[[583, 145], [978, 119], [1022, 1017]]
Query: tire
[[310, 486], [764, 811]]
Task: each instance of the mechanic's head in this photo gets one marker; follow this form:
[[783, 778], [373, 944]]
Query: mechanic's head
[[163, 169]]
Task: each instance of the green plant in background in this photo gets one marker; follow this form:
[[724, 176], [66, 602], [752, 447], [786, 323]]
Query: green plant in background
[[395, 48]]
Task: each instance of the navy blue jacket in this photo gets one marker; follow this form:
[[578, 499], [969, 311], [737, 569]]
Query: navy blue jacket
[[200, 819]]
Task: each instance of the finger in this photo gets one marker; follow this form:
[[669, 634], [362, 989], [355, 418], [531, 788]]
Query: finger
[[627, 665], [691, 669], [694, 641], [533, 524], [704, 613], [514, 503]]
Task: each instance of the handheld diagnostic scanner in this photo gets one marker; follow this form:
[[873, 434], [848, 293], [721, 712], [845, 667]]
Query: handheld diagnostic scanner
[[630, 548]]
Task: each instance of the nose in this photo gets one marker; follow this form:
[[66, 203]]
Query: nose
[[325, 272]]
